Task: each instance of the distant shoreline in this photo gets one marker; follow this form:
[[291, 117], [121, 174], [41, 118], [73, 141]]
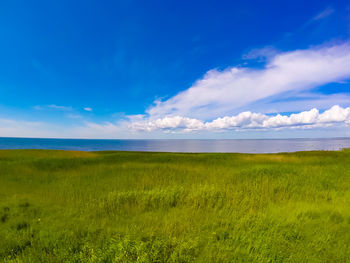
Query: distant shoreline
[[180, 145]]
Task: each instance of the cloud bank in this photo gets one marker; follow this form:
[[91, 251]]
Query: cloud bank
[[223, 93], [248, 120], [245, 121], [245, 96]]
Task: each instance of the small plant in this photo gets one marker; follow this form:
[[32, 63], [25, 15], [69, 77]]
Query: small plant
[[4, 218], [22, 225]]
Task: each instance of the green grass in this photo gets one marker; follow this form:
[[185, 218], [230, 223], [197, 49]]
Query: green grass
[[60, 206]]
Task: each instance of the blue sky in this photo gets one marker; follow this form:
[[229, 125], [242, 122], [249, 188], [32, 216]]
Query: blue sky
[[174, 69]]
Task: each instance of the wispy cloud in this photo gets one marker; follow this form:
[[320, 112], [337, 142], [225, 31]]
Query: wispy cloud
[[249, 120], [36, 129], [87, 109], [291, 102], [261, 53], [53, 106], [74, 116], [221, 93], [323, 14], [57, 107], [20, 128]]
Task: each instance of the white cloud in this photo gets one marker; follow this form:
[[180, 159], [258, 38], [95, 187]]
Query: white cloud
[[245, 119], [221, 93], [88, 109], [167, 123], [248, 120]]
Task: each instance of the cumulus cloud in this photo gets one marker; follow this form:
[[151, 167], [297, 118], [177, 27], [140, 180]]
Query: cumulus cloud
[[221, 93], [168, 123], [248, 120]]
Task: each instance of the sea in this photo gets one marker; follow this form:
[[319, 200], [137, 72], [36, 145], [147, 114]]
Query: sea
[[195, 146]]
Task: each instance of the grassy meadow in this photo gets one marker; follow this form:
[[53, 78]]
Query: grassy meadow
[[66, 206]]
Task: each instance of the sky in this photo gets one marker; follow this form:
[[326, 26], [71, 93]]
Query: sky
[[152, 69]]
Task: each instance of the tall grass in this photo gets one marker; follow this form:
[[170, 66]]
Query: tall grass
[[61, 206]]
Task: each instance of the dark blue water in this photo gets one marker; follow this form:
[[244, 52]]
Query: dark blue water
[[242, 146]]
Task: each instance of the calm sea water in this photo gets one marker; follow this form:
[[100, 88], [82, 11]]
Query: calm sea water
[[242, 146]]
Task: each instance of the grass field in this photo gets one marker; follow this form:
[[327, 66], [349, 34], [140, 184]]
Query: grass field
[[61, 206]]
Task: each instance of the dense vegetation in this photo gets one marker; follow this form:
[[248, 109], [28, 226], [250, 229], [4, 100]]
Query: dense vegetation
[[59, 206]]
